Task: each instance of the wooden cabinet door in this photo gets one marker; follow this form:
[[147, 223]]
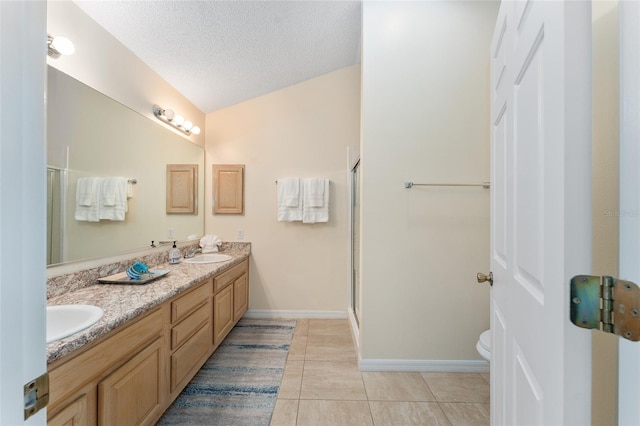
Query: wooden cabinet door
[[182, 188], [75, 414], [131, 395], [228, 188], [240, 297], [222, 314]]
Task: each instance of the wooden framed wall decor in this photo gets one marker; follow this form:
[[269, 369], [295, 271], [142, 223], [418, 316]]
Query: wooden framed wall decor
[[228, 188], [182, 188]]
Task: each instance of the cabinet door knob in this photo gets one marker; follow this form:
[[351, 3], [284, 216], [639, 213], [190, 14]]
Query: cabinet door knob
[[484, 278]]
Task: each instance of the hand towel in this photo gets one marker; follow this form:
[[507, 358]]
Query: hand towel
[[313, 190], [311, 214], [114, 190], [88, 199], [289, 200], [86, 190], [289, 192], [210, 243]]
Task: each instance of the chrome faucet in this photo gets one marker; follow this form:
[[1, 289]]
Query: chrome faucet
[[188, 254]]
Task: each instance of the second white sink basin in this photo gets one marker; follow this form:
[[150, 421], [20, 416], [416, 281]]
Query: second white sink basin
[[209, 258], [65, 320]]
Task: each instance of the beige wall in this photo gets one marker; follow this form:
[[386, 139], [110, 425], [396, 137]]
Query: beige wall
[[605, 197], [425, 119], [303, 130], [102, 62]]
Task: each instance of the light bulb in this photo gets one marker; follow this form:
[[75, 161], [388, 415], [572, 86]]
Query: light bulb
[[195, 130], [187, 125], [168, 114], [63, 45], [178, 120]]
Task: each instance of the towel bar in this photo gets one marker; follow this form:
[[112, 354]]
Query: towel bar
[[277, 181], [485, 185]]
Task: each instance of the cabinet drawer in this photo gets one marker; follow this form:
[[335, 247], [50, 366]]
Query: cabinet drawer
[[184, 305], [185, 360], [187, 328], [226, 278]]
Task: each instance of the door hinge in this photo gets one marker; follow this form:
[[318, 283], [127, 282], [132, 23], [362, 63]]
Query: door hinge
[[36, 395], [606, 303]]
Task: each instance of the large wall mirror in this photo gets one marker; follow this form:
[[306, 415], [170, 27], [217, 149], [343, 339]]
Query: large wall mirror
[[91, 135]]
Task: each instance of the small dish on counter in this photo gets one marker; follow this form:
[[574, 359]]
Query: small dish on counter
[[123, 278]]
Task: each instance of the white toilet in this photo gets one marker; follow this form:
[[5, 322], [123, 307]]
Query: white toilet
[[484, 345]]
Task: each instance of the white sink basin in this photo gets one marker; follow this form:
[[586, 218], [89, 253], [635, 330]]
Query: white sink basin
[[64, 320], [208, 258]]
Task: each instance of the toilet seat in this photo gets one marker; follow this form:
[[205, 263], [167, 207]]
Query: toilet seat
[[484, 345]]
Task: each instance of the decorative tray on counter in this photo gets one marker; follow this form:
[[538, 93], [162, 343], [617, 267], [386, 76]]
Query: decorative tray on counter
[[123, 278]]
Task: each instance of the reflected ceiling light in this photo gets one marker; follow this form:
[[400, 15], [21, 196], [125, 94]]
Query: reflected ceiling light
[[57, 46], [175, 120]]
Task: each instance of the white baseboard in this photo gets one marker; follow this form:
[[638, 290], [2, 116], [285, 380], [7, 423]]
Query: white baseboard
[[266, 313], [445, 366]]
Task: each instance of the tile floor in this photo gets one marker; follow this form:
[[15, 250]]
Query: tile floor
[[322, 385]]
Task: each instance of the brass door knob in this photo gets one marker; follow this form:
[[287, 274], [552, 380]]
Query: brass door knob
[[484, 278]]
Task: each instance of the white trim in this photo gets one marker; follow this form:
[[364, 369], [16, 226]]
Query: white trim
[[440, 366], [267, 313]]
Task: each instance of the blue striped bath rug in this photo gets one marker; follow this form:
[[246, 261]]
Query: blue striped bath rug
[[238, 385]]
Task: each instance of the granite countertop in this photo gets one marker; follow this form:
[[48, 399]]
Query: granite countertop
[[123, 302]]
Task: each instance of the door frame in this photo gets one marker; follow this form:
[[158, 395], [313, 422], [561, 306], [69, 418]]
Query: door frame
[[629, 209]]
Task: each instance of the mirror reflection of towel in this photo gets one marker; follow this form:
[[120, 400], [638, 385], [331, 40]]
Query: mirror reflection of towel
[[87, 199], [113, 199]]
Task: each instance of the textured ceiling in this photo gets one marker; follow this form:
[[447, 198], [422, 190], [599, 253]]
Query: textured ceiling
[[220, 53]]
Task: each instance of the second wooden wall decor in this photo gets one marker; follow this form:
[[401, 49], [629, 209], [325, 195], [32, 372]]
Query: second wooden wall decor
[[182, 188], [228, 188]]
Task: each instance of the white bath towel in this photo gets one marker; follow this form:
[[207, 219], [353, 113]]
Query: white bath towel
[[86, 190], [289, 192], [88, 199], [113, 199], [311, 214], [289, 199], [313, 190], [210, 243]]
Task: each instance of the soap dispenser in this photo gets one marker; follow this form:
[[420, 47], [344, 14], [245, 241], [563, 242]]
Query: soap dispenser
[[174, 255]]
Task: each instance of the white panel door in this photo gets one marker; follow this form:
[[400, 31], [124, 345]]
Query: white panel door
[[22, 205], [540, 211]]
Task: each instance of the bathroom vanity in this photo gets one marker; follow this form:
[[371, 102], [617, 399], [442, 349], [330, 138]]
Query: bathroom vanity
[[152, 340]]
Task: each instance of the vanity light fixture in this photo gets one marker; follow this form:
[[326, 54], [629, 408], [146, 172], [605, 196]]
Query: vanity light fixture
[[57, 46], [175, 120]]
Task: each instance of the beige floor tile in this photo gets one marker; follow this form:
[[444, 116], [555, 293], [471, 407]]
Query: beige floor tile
[[332, 380], [285, 413], [330, 347], [302, 327], [329, 327], [334, 413], [465, 413], [393, 386], [298, 348], [458, 387], [486, 376], [393, 413], [291, 380]]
